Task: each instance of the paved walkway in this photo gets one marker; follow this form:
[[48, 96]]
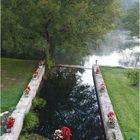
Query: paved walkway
[[23, 107]]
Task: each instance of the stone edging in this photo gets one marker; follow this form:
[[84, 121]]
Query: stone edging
[[105, 106], [23, 107]]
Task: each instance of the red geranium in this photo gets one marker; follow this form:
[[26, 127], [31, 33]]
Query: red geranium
[[66, 133], [27, 89], [36, 72], [111, 114], [10, 122], [97, 70]]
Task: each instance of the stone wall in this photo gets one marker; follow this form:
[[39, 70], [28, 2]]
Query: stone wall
[[23, 107], [105, 106]]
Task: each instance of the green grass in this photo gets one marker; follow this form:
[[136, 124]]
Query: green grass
[[125, 100], [15, 75]]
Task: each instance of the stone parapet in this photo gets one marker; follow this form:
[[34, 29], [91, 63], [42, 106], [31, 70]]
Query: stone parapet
[[105, 105]]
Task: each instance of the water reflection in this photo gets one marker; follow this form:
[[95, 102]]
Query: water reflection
[[71, 101], [116, 49]]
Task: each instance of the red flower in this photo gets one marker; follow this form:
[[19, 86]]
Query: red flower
[[27, 89], [97, 70], [111, 114], [36, 72], [10, 122], [66, 133]]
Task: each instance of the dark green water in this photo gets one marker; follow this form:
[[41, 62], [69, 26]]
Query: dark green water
[[71, 102]]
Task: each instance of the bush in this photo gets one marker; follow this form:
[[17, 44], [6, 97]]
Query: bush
[[133, 75], [22, 137], [49, 63], [38, 103], [30, 121]]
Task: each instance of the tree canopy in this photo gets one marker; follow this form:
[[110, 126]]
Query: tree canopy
[[131, 19], [54, 28]]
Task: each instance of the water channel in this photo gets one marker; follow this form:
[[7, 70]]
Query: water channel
[[71, 102]]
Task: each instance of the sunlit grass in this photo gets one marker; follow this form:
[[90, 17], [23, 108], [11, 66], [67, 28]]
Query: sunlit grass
[[125, 100], [15, 74]]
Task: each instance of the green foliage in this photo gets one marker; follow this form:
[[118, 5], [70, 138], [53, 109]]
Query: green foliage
[[49, 63], [30, 121], [54, 28], [133, 75], [22, 137], [75, 23], [38, 103], [3, 120], [2, 130], [21, 29], [131, 19]]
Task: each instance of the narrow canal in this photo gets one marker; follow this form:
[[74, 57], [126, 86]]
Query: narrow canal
[[71, 102]]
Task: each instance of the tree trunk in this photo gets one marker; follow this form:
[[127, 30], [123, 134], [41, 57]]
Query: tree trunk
[[50, 45]]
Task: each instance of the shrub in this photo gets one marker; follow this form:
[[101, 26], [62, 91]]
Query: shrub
[[133, 75], [38, 103], [22, 137], [49, 63], [30, 121]]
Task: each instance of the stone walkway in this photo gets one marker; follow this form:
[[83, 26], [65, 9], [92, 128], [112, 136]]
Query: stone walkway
[[23, 107], [105, 106]]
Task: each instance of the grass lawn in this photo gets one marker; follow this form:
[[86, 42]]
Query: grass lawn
[[125, 100], [15, 75]]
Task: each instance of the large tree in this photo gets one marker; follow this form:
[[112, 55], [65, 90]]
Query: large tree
[[22, 29], [56, 27]]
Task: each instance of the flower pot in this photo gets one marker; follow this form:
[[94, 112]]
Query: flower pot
[[34, 78], [111, 125], [40, 66], [26, 94]]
